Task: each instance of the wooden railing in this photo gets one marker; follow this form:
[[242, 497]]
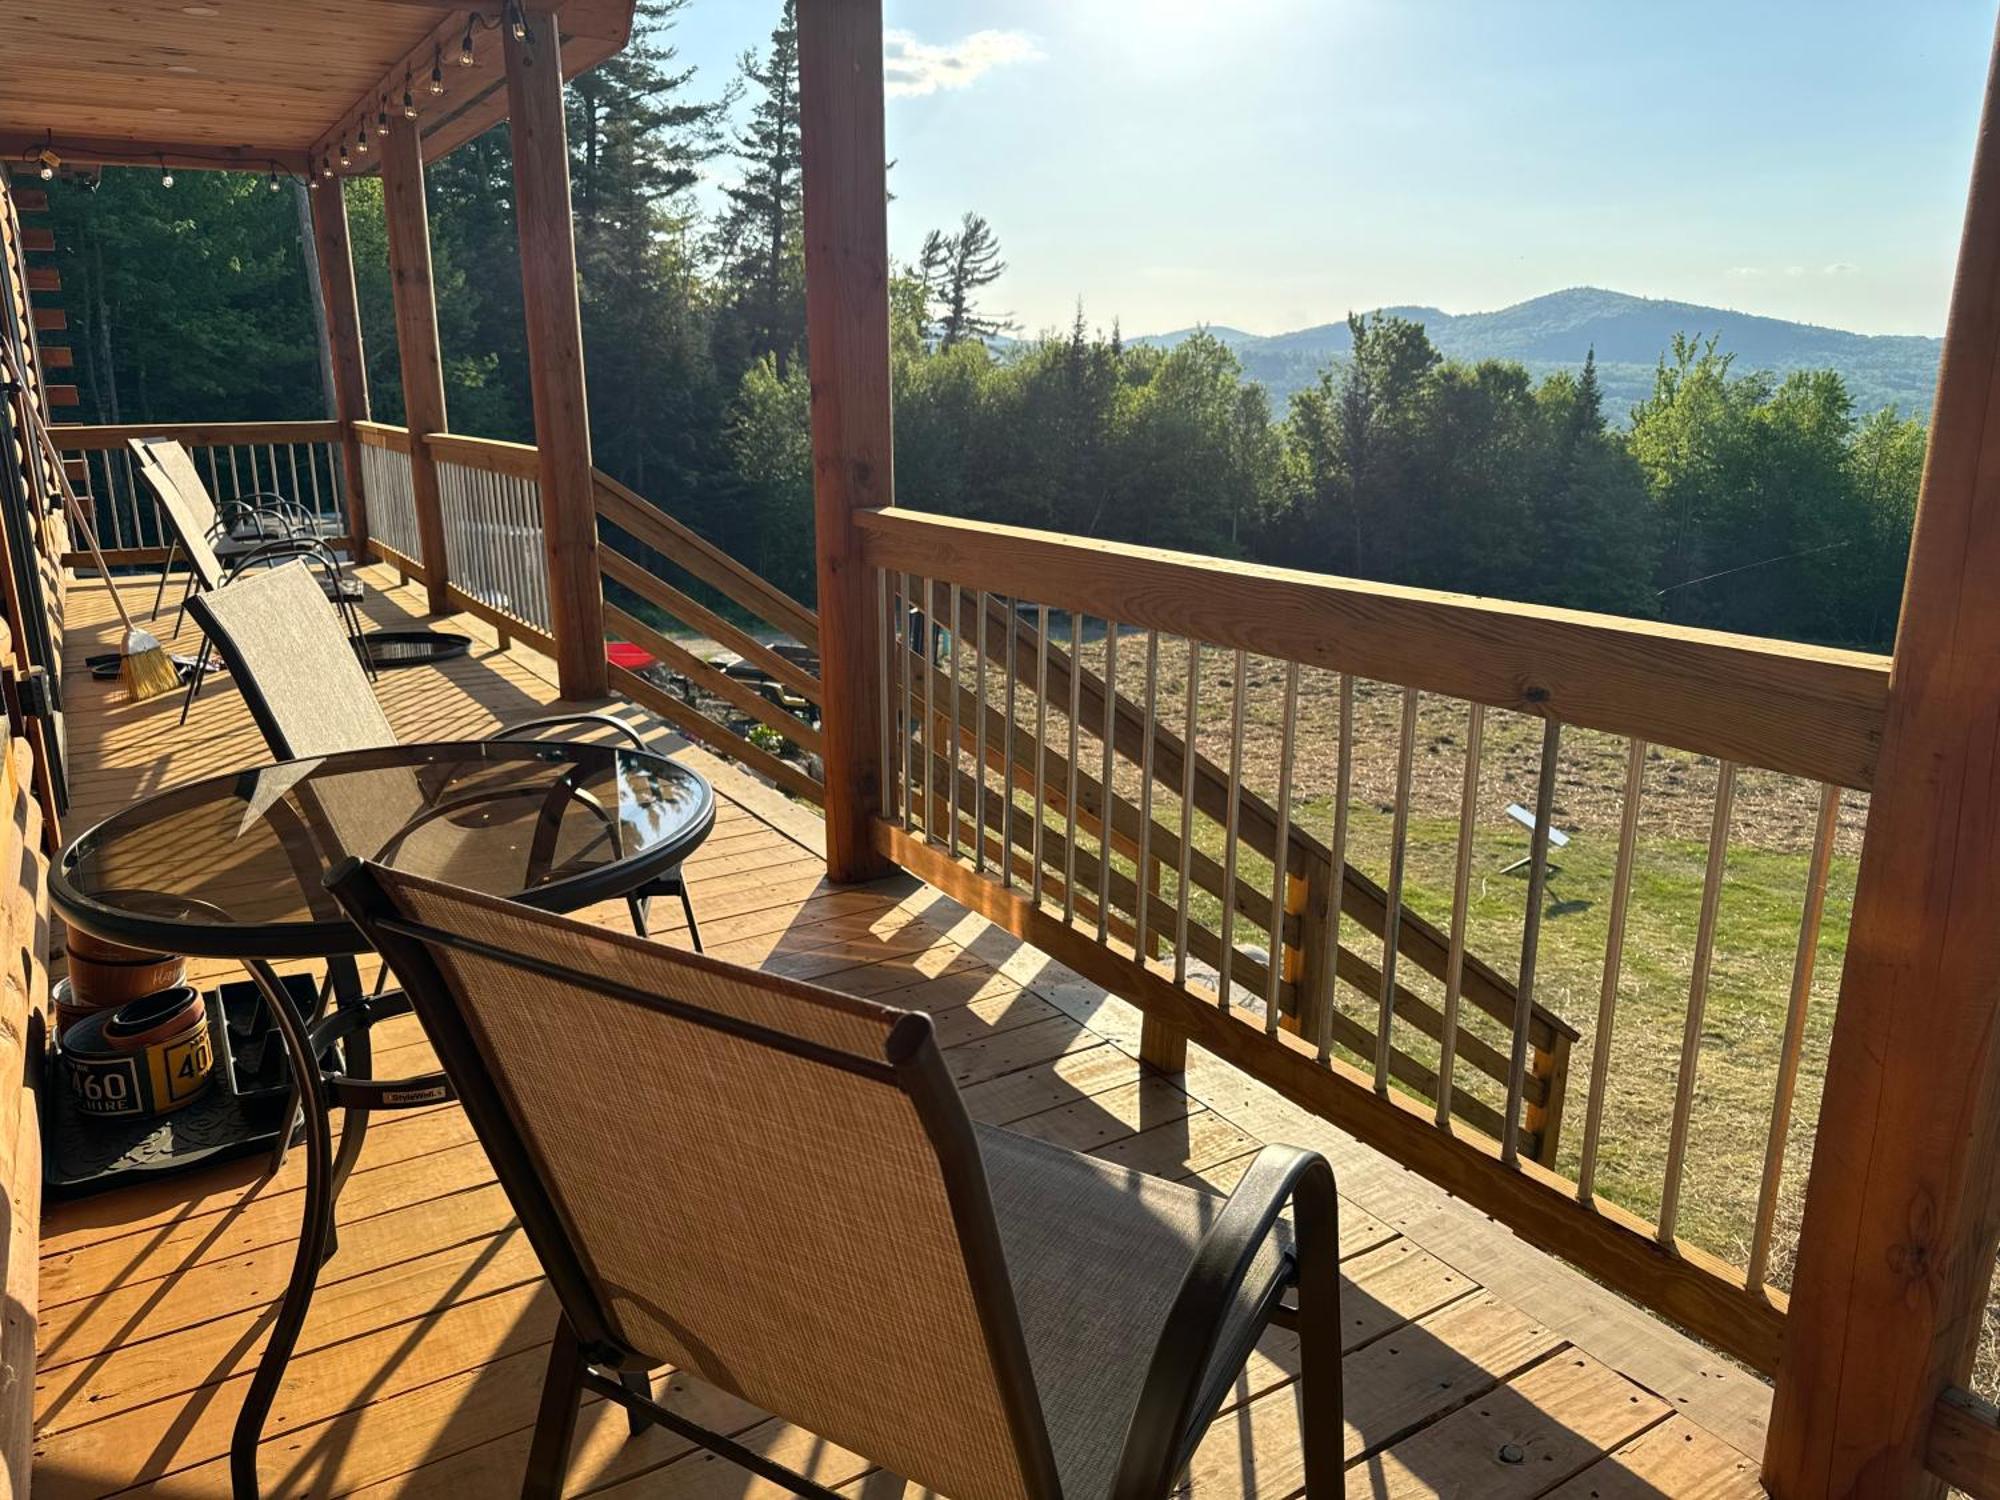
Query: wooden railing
[[299, 460], [1001, 761]]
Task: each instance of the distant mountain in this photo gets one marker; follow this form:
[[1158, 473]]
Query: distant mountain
[[1630, 334]]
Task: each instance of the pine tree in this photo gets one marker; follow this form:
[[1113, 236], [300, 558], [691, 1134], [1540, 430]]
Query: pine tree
[[932, 272], [758, 239], [975, 264]]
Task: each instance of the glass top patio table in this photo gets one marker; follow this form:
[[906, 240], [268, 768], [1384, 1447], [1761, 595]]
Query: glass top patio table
[[233, 866]]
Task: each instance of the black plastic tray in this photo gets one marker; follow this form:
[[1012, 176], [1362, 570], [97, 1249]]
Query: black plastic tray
[[239, 1115], [414, 648]]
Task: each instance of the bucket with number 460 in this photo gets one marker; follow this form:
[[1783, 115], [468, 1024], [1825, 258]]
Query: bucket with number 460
[[147, 1058]]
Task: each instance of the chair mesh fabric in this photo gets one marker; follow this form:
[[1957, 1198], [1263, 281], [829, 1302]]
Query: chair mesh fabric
[[181, 516], [1097, 1254], [281, 636], [773, 1224]]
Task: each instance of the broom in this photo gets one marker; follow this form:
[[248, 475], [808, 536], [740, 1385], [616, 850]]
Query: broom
[[145, 668]]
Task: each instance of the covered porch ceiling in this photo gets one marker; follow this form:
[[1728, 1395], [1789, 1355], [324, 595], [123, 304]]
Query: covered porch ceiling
[[260, 83]]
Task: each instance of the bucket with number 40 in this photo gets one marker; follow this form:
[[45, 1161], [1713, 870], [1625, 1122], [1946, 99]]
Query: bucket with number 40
[[147, 1058]]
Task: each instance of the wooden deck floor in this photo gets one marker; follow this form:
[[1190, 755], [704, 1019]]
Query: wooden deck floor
[[1476, 1367]]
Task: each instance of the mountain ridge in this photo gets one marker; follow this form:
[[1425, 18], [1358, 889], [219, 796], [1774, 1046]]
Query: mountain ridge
[[1629, 334]]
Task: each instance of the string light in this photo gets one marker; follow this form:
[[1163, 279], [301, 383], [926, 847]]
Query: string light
[[437, 68], [274, 179], [326, 163], [166, 177], [382, 117], [50, 161], [518, 23], [345, 159], [465, 58], [361, 140], [409, 99]]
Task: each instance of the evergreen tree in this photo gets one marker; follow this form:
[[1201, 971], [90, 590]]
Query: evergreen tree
[[973, 264], [758, 238]]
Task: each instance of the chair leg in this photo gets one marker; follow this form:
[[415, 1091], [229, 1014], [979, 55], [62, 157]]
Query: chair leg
[[160, 593], [687, 906], [640, 1385], [195, 675], [555, 1424], [638, 906], [1322, 1431]]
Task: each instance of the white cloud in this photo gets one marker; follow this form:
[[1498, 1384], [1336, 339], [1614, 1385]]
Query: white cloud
[[1839, 268], [912, 67]]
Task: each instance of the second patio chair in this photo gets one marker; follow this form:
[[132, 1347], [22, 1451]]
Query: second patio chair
[[777, 1189], [298, 669]]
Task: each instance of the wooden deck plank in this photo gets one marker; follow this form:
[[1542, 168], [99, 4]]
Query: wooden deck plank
[[421, 1363], [1676, 1458]]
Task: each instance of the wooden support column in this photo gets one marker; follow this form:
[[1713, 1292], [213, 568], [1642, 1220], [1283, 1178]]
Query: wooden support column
[[416, 338], [555, 353], [847, 339], [335, 257], [1898, 1241]]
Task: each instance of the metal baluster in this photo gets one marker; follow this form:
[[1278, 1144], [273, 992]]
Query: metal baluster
[[1105, 794], [320, 508], [1461, 893], [907, 658], [1614, 959], [1392, 914], [1075, 713], [979, 737], [1007, 748], [1281, 863], [951, 749], [1187, 814], [928, 740], [1342, 781], [886, 687], [1795, 1032], [1041, 750], [271, 461], [1141, 872], [1704, 953], [1531, 933], [132, 489], [298, 491], [1232, 823], [235, 476]]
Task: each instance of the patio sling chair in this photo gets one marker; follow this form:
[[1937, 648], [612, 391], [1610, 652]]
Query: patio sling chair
[[219, 542], [777, 1189], [301, 678]]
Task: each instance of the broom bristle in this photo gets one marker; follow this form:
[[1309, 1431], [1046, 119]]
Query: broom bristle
[[148, 670]]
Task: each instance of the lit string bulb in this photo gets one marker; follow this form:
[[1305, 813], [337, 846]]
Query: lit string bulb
[[166, 174], [437, 68], [274, 179], [345, 159], [361, 140], [409, 99], [465, 58], [382, 117]]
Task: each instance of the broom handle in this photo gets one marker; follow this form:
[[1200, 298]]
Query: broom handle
[[70, 501]]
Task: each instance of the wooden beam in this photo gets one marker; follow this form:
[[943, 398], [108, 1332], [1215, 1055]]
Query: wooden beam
[[555, 353], [847, 338], [1807, 710], [1964, 1445], [335, 253], [1901, 1221], [114, 151], [416, 339]]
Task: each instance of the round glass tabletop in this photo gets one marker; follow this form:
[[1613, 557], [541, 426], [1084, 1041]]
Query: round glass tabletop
[[233, 867]]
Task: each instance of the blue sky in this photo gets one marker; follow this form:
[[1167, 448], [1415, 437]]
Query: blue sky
[[1271, 164]]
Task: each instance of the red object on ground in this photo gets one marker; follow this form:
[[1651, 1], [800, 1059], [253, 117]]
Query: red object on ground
[[625, 654]]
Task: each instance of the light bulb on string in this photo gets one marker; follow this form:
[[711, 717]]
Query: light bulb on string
[[361, 140], [517, 22], [382, 117], [345, 159], [437, 68], [46, 172], [166, 174], [326, 164], [274, 179], [465, 58], [409, 99]]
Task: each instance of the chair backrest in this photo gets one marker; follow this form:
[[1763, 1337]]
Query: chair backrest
[[173, 460], [771, 1186], [290, 654], [189, 520]]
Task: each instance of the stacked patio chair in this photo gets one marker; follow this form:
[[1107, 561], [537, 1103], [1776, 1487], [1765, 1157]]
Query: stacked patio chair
[[219, 542], [301, 677], [777, 1190]]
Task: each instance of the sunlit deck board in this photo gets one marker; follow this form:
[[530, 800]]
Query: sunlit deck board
[[419, 1367]]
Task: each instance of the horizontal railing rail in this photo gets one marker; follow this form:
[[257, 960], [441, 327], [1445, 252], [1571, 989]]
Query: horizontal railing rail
[[1048, 784], [298, 460]]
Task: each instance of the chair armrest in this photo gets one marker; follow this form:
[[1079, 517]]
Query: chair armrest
[[305, 549], [601, 721], [1279, 1175]]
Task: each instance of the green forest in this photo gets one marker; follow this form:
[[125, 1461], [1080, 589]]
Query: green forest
[[1726, 498]]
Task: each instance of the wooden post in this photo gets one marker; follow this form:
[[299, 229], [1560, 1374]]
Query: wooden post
[[416, 338], [335, 256], [555, 353], [847, 334], [1897, 1247]]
